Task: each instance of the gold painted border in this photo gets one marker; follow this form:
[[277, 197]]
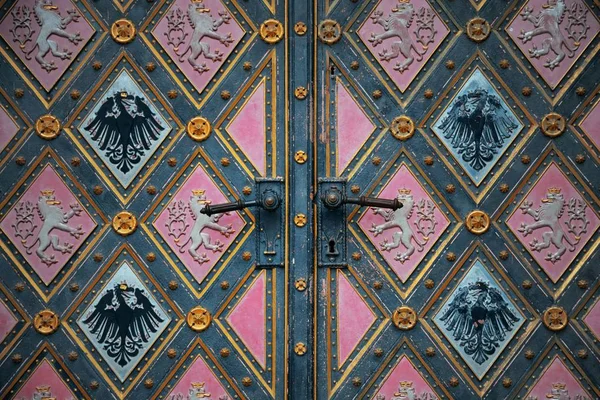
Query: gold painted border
[[497, 222], [578, 320], [582, 114], [84, 248], [519, 339], [422, 361], [270, 388], [24, 317], [15, 143], [450, 232], [160, 152], [167, 63], [46, 348], [187, 358], [512, 150], [85, 54], [239, 105], [148, 228], [382, 79], [124, 251], [567, 354]]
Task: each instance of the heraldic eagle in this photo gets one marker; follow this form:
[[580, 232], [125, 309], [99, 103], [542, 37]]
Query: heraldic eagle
[[479, 317], [122, 321], [124, 128], [477, 126]]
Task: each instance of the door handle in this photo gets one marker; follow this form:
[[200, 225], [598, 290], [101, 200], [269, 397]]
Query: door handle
[[269, 200], [333, 198]]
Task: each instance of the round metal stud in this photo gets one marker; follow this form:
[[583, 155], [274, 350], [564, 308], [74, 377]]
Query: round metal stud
[[300, 28], [555, 318], [198, 129], [300, 220], [478, 29], [300, 349], [402, 127], [553, 125], [47, 127], [477, 222], [301, 92], [330, 31], [123, 31], [301, 284], [271, 31], [46, 322], [124, 223], [198, 319], [405, 318], [300, 156]]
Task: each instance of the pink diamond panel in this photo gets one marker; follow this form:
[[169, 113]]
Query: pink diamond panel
[[591, 125], [8, 128], [405, 382], [558, 383], [403, 48], [45, 383], [198, 382], [354, 318], [47, 224], [592, 319], [553, 35], [553, 222], [7, 321], [249, 126], [248, 319], [47, 35], [198, 37], [198, 240], [353, 127], [405, 236]]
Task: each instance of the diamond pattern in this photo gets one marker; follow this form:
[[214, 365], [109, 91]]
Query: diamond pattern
[[405, 382], [592, 319], [7, 321], [8, 128], [45, 383], [198, 382], [590, 124], [557, 382]]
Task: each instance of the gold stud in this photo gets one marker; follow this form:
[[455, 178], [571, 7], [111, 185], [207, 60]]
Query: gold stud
[[529, 354], [20, 161], [300, 28], [377, 94], [19, 93], [123, 31], [271, 31], [148, 383], [224, 352], [451, 256], [329, 31], [225, 94], [527, 284], [478, 29], [582, 284], [46, 322], [354, 65], [429, 283], [356, 381], [507, 382], [430, 352], [405, 318], [477, 222], [450, 188], [526, 91], [171, 353], [247, 190], [124, 223], [300, 284], [503, 255], [94, 385], [300, 156], [580, 158], [198, 129], [300, 348], [504, 188], [198, 319], [450, 64], [356, 256], [300, 92], [504, 64], [555, 318], [300, 220], [246, 381], [402, 127], [173, 285], [580, 91], [454, 381], [47, 127], [150, 66], [553, 125], [246, 256], [172, 94], [151, 257], [225, 285]]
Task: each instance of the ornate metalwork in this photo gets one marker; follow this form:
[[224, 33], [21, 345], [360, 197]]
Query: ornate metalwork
[[47, 127], [553, 125], [478, 29], [300, 156], [271, 31], [198, 129], [123, 31], [124, 223], [300, 92], [404, 318], [300, 28], [477, 222], [300, 348], [46, 322], [555, 318], [300, 220], [301, 284], [198, 319], [330, 31], [402, 127]]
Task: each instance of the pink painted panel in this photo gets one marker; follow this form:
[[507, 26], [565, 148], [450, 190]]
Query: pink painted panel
[[181, 225], [592, 319], [37, 46], [7, 321], [45, 383], [191, 382], [591, 125], [353, 127], [412, 234], [180, 32], [552, 73], [248, 129], [557, 373], [47, 245], [354, 318], [8, 128], [249, 318], [413, 383], [401, 48], [553, 205]]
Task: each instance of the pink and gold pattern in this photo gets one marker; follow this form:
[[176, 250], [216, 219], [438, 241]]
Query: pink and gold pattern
[[590, 125], [405, 382], [45, 383], [198, 382], [7, 321], [8, 128], [592, 319], [557, 382]]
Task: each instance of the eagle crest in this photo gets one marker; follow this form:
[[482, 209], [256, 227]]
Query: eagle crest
[[123, 321], [476, 127], [479, 318], [124, 128]]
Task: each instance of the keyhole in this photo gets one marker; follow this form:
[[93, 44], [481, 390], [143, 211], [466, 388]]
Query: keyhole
[[332, 70], [331, 248]]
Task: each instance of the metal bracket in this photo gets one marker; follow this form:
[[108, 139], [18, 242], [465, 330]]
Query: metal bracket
[[270, 224], [331, 226]]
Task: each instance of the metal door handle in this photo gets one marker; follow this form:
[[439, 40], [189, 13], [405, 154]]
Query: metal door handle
[[269, 200], [333, 198]]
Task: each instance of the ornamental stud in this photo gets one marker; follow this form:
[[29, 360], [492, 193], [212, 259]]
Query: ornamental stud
[[402, 128], [198, 319], [330, 31], [123, 31], [405, 318], [477, 222], [555, 318], [47, 127], [46, 322], [271, 31], [553, 125], [124, 223], [198, 129], [478, 29]]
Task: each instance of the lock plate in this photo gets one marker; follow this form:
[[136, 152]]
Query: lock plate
[[269, 224], [331, 229]]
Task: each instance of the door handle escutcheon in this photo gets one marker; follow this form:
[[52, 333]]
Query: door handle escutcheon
[[333, 198], [269, 200]]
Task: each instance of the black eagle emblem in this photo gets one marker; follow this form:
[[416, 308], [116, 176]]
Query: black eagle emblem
[[477, 126], [124, 127], [123, 320], [479, 318]]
